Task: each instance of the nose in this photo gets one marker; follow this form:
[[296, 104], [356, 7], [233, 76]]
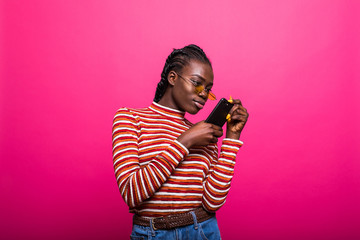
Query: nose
[[202, 93]]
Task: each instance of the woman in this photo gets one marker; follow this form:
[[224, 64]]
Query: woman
[[168, 170]]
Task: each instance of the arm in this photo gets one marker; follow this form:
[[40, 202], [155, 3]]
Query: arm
[[137, 184], [217, 183]]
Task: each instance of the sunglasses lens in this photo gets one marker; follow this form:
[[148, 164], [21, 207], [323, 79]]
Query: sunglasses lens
[[211, 96], [199, 88]]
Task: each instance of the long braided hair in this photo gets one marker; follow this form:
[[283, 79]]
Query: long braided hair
[[178, 59]]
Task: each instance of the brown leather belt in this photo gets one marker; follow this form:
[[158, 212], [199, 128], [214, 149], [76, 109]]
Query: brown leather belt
[[173, 220]]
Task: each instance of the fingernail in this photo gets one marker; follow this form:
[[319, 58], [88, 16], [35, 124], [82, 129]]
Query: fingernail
[[230, 99], [228, 117]]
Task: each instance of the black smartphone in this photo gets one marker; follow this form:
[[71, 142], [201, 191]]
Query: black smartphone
[[218, 115]]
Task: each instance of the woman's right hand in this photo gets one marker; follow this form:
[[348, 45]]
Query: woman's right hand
[[200, 134]]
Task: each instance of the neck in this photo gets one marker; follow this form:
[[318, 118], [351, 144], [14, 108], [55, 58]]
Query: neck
[[168, 101]]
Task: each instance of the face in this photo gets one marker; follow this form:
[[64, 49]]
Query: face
[[186, 96]]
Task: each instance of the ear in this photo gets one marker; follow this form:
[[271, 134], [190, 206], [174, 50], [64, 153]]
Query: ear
[[172, 76]]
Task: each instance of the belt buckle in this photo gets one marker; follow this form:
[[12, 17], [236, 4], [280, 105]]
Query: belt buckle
[[153, 224]]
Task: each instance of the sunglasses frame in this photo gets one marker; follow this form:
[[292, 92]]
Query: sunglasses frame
[[200, 88]]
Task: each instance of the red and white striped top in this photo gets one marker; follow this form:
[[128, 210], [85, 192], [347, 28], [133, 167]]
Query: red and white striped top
[[156, 174]]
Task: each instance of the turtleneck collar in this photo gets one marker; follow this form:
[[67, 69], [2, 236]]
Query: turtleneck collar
[[166, 111]]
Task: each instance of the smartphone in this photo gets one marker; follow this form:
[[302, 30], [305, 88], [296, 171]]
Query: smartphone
[[218, 115]]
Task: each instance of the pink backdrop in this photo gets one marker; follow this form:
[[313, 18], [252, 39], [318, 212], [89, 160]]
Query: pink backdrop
[[67, 66]]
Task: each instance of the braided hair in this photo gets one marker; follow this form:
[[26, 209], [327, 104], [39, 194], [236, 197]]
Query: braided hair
[[178, 59]]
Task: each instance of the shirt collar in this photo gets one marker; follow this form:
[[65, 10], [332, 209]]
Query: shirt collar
[[166, 111]]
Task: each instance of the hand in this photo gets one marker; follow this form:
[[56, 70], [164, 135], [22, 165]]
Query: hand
[[201, 134], [237, 121]]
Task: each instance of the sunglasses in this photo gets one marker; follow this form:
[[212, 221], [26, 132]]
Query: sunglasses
[[199, 87]]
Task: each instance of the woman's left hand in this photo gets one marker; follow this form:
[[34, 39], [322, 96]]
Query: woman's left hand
[[237, 121]]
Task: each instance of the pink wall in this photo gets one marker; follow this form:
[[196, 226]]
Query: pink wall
[[67, 66]]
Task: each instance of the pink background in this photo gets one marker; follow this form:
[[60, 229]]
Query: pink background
[[67, 66]]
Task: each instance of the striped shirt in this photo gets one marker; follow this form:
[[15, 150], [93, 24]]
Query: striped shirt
[[156, 174]]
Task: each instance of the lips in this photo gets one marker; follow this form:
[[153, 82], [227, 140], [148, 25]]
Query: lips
[[199, 104]]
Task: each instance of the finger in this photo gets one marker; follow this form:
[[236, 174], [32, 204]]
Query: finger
[[242, 118], [243, 111], [214, 139], [216, 127], [237, 101], [216, 130], [236, 118], [218, 133], [230, 115], [242, 108], [239, 117], [234, 110], [240, 111]]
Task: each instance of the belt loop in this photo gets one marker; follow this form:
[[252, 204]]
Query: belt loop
[[195, 220], [152, 227]]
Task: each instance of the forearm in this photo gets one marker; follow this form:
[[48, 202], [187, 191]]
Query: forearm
[[233, 135], [217, 184], [138, 184]]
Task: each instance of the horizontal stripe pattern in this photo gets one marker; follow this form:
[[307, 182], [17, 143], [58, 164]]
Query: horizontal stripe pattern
[[156, 174]]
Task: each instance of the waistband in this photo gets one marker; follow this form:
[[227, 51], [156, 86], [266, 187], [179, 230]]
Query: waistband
[[173, 220]]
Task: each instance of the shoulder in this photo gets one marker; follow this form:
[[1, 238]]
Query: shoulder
[[125, 115], [130, 112], [123, 111], [134, 115]]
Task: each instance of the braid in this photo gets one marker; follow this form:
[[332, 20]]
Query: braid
[[178, 59], [169, 65]]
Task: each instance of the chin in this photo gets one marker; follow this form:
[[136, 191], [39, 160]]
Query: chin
[[193, 111], [190, 108]]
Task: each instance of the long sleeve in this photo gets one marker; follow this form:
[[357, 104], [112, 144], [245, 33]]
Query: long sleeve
[[136, 183], [217, 183]]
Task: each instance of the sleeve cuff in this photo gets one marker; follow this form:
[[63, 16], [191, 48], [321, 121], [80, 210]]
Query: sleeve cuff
[[180, 145], [233, 140]]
